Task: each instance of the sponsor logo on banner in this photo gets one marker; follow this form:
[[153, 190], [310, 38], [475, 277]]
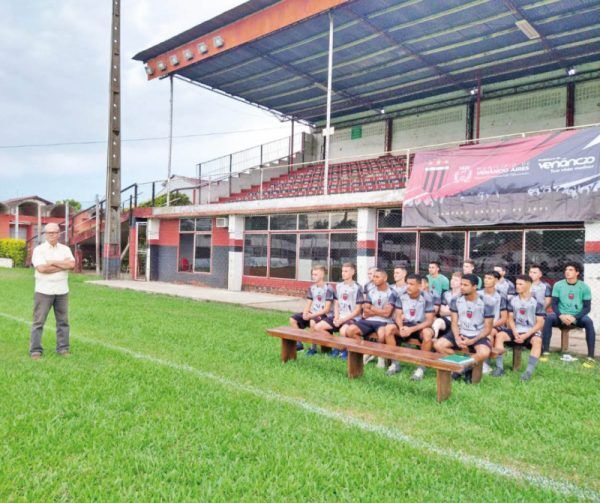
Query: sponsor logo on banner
[[463, 174], [435, 174], [563, 162]]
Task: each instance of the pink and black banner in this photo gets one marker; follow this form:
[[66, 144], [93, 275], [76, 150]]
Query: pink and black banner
[[553, 177]]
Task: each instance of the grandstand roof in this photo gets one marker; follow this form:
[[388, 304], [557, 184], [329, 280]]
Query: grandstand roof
[[386, 52]]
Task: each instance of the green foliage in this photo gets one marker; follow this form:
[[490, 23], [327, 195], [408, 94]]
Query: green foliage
[[16, 249], [177, 199], [73, 204]]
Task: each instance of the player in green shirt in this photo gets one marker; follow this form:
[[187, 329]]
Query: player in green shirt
[[571, 303], [438, 283]]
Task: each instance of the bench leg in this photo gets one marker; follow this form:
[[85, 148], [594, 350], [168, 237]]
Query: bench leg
[[517, 351], [564, 340], [355, 365], [444, 385], [477, 373], [325, 349], [288, 350]]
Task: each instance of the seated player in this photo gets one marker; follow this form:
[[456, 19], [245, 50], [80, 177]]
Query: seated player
[[438, 283], [425, 287], [414, 316], [377, 311], [443, 323], [503, 285], [399, 286], [319, 301], [571, 303], [525, 320], [469, 268], [472, 321], [346, 306], [541, 290], [369, 284], [491, 295]]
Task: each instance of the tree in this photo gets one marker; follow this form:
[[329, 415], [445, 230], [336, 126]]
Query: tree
[[177, 199], [73, 204]]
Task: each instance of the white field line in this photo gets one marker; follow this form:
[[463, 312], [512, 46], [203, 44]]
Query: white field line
[[538, 481]]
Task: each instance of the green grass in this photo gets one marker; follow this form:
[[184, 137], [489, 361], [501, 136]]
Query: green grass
[[105, 425]]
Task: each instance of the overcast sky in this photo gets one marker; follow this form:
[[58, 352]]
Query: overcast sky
[[54, 88]]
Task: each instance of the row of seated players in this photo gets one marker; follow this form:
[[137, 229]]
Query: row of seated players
[[456, 317]]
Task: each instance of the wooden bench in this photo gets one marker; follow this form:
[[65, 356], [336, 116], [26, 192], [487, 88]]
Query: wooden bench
[[564, 337], [356, 349]]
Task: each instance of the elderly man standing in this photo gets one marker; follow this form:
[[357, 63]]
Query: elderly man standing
[[51, 260]]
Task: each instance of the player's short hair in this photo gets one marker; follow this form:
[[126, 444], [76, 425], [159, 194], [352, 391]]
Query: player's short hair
[[424, 278], [457, 274], [382, 271], [349, 264], [574, 265], [401, 265], [373, 268], [320, 268], [501, 266], [523, 277], [471, 278], [469, 261], [536, 266], [496, 274], [417, 277], [436, 263]]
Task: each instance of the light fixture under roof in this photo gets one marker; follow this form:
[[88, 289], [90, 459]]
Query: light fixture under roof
[[218, 41], [525, 26], [149, 70], [571, 71], [202, 48], [161, 66], [473, 91], [174, 60], [188, 54]]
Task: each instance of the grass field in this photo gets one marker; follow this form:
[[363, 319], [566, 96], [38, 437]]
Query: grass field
[[169, 399]]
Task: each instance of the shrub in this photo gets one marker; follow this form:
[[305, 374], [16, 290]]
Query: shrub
[[14, 249]]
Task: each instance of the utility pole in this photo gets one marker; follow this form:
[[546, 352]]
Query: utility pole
[[98, 224], [112, 232]]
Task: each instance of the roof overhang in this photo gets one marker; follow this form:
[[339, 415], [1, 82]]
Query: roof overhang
[[386, 52]]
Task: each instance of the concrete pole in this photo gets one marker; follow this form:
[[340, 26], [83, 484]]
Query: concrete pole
[[39, 224], [170, 139], [67, 216], [98, 224], [328, 126], [17, 223]]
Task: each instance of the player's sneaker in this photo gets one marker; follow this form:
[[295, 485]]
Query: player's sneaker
[[311, 352], [299, 346], [486, 368], [334, 353], [380, 363], [456, 376], [498, 373], [525, 376], [394, 368], [545, 356], [589, 363], [368, 359], [344, 354], [418, 374]]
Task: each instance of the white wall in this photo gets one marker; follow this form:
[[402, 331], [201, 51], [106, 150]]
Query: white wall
[[372, 143], [430, 128], [527, 112], [587, 103]]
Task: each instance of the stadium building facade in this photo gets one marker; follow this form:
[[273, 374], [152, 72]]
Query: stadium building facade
[[403, 85]]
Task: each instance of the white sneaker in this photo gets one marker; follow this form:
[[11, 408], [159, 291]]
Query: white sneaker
[[368, 358], [394, 368], [380, 363], [486, 368], [418, 374]]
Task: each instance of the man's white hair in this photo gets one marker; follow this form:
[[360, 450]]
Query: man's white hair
[[52, 227]]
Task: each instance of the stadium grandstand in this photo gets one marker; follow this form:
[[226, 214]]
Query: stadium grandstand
[[446, 96]]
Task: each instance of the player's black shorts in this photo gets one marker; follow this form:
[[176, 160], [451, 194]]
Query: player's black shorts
[[527, 343], [302, 323], [367, 327], [481, 342], [506, 330]]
